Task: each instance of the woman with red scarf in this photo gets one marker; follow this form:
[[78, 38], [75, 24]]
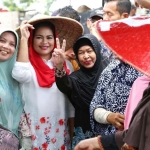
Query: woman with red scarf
[[47, 109]]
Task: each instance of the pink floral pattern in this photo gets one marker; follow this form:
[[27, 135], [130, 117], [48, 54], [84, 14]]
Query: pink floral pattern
[[60, 130], [24, 129]]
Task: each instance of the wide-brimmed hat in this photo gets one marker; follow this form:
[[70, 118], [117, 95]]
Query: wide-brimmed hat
[[66, 28]]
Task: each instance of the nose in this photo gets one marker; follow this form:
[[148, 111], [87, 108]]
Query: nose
[[105, 18], [73, 54], [86, 55], [5, 45], [45, 40]]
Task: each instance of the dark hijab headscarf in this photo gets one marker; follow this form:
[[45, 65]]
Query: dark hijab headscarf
[[84, 81]]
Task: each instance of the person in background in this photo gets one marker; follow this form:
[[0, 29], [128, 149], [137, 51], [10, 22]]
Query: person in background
[[47, 109], [69, 12], [115, 142], [111, 95], [112, 10], [83, 8], [142, 3], [80, 85], [133, 10], [95, 15], [136, 137]]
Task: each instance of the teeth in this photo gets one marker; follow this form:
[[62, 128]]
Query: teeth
[[3, 52]]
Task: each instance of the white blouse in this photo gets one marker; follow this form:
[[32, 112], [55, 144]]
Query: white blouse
[[47, 109]]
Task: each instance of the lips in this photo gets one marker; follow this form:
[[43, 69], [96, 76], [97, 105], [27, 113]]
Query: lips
[[44, 47], [88, 62], [4, 53]]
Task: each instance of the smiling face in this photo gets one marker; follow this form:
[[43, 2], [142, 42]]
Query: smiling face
[[7, 45], [86, 56], [43, 42]]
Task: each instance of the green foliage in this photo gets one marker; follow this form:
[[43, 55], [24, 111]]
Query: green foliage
[[49, 3], [12, 6]]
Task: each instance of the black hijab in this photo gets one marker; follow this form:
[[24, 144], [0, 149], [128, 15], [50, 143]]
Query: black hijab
[[84, 81]]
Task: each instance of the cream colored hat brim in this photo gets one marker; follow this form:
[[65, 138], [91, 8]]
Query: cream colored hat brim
[[66, 28]]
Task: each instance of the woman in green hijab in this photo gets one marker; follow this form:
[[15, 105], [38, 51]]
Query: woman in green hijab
[[10, 96]]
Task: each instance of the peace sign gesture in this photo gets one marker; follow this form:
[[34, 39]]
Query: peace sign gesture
[[58, 56]]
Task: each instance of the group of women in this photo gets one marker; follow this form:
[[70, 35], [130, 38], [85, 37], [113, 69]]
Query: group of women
[[40, 92]]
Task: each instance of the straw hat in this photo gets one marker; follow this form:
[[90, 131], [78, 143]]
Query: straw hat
[[66, 28]]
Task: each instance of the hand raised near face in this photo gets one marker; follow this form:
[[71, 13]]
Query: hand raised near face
[[94, 31], [58, 56], [24, 29]]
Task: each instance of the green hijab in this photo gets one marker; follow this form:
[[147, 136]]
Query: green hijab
[[10, 96]]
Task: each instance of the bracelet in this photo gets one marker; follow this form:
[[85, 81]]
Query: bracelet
[[100, 143], [60, 73]]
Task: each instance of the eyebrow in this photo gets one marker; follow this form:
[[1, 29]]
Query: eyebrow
[[6, 40], [42, 35], [86, 49]]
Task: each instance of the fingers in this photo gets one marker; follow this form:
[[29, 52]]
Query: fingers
[[119, 126], [63, 45], [121, 118], [57, 43], [25, 24], [81, 146], [127, 147], [120, 121], [117, 120]]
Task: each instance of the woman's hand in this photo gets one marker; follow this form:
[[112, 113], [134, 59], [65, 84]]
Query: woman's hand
[[24, 29], [94, 31], [117, 120], [88, 144], [58, 56]]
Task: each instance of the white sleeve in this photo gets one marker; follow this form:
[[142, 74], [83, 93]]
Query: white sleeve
[[69, 66], [101, 114], [21, 72], [71, 110]]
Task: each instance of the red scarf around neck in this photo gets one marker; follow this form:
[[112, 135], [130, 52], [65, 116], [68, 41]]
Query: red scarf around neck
[[45, 75]]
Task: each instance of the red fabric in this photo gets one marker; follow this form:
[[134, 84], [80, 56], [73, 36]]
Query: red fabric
[[44, 74], [129, 42]]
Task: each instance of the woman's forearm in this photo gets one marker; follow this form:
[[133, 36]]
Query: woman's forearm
[[23, 54]]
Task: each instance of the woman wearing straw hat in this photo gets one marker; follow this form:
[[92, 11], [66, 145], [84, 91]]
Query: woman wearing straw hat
[[80, 85], [46, 108]]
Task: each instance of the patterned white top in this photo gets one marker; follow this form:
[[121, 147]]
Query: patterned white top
[[47, 109]]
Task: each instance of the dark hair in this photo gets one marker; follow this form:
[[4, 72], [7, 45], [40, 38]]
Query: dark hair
[[123, 6], [133, 7], [69, 12], [83, 8], [44, 24], [56, 12]]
